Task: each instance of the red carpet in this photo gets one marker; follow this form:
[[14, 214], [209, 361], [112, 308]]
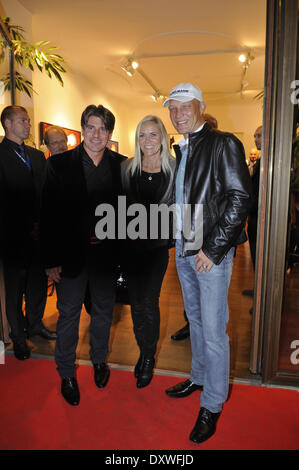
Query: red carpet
[[33, 415]]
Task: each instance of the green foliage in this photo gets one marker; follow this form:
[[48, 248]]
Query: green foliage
[[39, 55]]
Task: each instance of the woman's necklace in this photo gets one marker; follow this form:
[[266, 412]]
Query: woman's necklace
[[151, 171]]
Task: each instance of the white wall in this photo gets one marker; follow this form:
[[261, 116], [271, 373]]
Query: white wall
[[239, 117]]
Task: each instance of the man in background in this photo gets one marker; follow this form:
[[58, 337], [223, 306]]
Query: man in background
[[55, 139], [21, 177], [253, 214], [252, 161]]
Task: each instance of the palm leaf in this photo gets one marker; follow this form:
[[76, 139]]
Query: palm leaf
[[37, 55]]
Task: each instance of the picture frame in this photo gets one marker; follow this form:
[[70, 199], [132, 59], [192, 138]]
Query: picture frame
[[113, 145], [173, 139], [74, 137]]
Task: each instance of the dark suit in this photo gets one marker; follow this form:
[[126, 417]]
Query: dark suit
[[71, 193], [253, 214], [20, 189]]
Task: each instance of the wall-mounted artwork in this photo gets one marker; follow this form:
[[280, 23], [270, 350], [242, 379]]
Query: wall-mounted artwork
[[73, 137], [113, 145], [173, 139]]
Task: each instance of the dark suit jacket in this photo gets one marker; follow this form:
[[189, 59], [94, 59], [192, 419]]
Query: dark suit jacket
[[20, 191], [64, 226]]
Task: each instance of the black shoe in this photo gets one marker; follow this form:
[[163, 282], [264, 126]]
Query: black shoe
[[21, 350], [138, 366], [44, 333], [182, 389], [146, 372], [101, 374], [205, 426], [70, 390], [248, 292], [183, 333]]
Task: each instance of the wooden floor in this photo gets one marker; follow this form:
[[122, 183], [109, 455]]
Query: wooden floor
[[289, 332], [171, 356]]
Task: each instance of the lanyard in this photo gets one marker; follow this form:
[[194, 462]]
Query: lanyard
[[27, 162]]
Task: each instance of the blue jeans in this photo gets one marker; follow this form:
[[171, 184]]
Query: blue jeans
[[205, 302]]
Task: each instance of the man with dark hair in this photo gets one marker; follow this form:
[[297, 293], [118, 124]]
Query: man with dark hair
[[98, 111], [55, 139], [21, 175], [77, 181]]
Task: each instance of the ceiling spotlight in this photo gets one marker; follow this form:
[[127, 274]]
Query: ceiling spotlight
[[156, 96], [135, 64], [246, 59], [130, 66], [128, 69]]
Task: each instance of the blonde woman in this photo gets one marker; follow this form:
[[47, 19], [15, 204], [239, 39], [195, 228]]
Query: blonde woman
[[147, 179]]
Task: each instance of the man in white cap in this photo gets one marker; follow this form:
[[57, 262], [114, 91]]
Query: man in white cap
[[211, 175]]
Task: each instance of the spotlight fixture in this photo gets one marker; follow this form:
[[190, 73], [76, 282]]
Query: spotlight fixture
[[156, 96], [246, 59], [135, 64], [131, 66]]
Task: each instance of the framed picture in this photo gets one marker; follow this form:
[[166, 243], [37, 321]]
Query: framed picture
[[173, 139], [73, 137], [113, 145]]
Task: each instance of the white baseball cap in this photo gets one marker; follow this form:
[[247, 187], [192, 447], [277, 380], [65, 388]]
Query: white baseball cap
[[184, 92]]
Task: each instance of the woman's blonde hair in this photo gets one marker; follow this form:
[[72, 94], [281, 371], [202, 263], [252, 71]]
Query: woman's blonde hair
[[136, 163]]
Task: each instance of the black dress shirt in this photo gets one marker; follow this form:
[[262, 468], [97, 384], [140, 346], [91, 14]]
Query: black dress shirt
[[99, 181]]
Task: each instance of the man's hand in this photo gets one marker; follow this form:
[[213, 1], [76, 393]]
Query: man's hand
[[54, 273], [203, 263]]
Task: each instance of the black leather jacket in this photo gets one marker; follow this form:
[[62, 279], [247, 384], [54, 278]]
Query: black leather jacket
[[217, 177]]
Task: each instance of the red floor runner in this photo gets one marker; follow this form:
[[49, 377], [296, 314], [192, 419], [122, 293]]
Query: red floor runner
[[33, 415]]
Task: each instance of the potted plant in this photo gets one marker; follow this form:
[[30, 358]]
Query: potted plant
[[39, 55]]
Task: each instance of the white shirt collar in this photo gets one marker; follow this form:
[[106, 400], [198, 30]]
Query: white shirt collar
[[184, 141]]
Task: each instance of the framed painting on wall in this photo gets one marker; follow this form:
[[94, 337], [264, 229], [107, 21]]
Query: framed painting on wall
[[112, 145], [73, 137]]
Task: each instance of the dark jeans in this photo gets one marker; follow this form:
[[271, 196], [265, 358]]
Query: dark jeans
[[100, 275], [24, 279], [144, 274]]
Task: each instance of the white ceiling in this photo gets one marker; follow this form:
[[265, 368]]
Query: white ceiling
[[174, 40]]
